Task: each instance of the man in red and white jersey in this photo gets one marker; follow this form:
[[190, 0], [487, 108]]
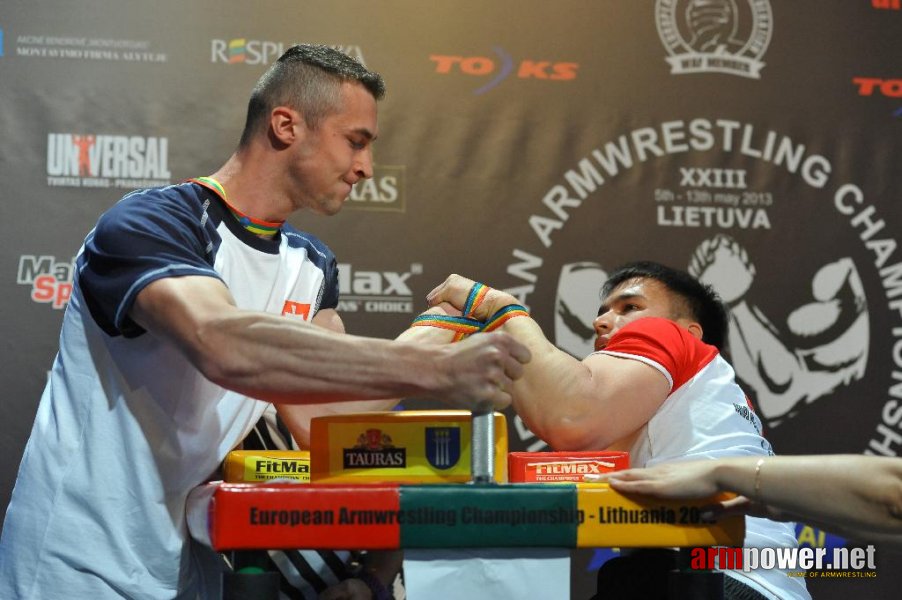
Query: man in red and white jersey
[[656, 386]]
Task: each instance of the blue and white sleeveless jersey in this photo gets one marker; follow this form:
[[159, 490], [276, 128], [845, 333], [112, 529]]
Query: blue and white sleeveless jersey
[[126, 426]]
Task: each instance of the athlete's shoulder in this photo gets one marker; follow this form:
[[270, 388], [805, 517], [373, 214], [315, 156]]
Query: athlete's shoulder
[[177, 213], [185, 196], [184, 202], [295, 238], [665, 342]]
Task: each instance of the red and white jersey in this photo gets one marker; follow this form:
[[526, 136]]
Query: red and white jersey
[[705, 416]]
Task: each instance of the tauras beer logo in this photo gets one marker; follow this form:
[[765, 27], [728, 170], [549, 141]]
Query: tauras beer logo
[[384, 191], [715, 36], [50, 279], [118, 161], [826, 342], [374, 450]]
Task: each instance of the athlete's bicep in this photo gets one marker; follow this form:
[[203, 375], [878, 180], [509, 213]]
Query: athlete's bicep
[[328, 318], [628, 391], [177, 308]]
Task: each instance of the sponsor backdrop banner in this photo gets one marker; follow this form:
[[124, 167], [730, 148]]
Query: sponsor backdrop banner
[[529, 144]]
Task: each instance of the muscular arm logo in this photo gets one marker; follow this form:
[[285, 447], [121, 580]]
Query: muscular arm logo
[[576, 305], [823, 346], [715, 36], [713, 25]]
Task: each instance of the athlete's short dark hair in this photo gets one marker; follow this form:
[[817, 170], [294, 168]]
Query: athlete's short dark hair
[[307, 78], [695, 300]]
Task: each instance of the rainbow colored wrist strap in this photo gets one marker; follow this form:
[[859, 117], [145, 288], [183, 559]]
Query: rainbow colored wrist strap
[[466, 325], [503, 316], [474, 298], [461, 326]]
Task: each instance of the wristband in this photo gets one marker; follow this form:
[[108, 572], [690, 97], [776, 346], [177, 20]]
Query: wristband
[[379, 591], [474, 298], [504, 315], [461, 326]]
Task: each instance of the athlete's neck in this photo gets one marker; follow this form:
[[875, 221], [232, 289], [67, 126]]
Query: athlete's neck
[[264, 229]]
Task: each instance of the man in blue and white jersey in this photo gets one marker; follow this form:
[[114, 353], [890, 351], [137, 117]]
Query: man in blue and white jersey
[[193, 306]]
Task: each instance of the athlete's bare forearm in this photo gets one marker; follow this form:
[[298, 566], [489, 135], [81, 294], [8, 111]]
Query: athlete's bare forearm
[[289, 361]]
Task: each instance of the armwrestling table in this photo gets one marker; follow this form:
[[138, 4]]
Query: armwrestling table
[[479, 514]]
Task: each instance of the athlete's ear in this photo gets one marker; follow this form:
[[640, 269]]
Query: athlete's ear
[[283, 123], [695, 329]]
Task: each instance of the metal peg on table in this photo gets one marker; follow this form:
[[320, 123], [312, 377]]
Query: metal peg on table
[[482, 446]]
